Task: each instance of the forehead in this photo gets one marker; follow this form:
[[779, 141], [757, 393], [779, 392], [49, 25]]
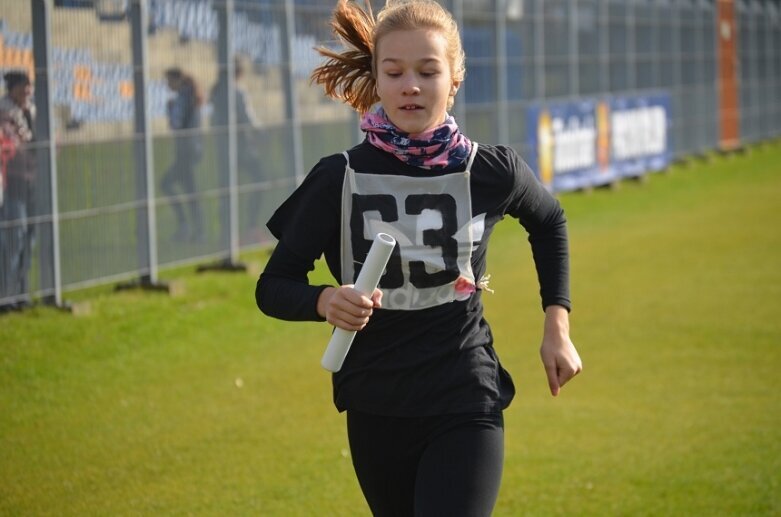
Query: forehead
[[412, 45]]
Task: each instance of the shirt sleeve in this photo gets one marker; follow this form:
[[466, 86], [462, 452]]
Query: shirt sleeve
[[283, 290], [305, 224], [543, 218]]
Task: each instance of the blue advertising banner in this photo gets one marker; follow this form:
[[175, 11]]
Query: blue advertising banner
[[588, 143], [639, 134]]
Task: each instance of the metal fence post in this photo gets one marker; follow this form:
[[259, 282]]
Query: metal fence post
[[773, 73], [604, 47], [227, 76], [539, 61], [47, 158], [233, 176], [574, 49], [631, 50], [502, 115], [355, 118], [144, 151], [676, 89], [459, 108], [291, 92]]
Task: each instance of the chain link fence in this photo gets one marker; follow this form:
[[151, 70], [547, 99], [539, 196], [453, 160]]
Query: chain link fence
[[167, 131]]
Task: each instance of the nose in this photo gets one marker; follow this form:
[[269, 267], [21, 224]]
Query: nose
[[410, 86]]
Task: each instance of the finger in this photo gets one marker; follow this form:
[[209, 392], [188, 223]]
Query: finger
[[357, 299], [347, 323], [566, 374], [353, 305], [349, 317], [553, 379], [345, 326], [377, 298]]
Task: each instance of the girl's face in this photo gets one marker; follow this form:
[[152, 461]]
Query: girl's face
[[414, 79]]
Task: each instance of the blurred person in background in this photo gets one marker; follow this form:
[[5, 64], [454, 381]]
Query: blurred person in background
[[184, 118], [247, 160], [17, 116]]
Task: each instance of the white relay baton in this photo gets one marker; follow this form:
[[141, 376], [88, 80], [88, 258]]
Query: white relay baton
[[366, 283]]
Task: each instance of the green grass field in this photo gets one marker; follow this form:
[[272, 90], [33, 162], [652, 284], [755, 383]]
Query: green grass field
[[199, 405]]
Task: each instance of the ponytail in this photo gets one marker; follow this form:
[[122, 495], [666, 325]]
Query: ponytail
[[349, 76]]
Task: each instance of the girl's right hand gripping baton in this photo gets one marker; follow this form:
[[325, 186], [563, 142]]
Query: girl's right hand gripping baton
[[367, 281]]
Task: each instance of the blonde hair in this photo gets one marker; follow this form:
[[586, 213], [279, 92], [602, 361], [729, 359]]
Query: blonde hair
[[350, 75]]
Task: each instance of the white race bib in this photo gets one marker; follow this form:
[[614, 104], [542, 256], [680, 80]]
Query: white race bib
[[431, 220]]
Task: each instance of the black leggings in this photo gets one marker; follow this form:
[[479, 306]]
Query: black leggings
[[449, 465]]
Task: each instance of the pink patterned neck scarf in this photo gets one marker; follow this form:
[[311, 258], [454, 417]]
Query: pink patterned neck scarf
[[441, 148]]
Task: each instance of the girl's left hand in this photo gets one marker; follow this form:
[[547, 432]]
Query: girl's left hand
[[558, 354]]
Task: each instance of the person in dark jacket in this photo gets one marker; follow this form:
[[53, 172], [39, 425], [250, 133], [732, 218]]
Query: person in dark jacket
[[248, 162], [184, 119]]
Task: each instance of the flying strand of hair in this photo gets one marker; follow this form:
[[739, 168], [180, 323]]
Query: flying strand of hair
[[348, 76]]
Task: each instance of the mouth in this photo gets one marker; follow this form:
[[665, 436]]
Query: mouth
[[411, 107]]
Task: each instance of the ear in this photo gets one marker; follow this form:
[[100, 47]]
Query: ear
[[454, 88]]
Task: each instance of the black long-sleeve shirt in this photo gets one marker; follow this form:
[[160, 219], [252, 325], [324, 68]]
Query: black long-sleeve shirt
[[429, 350]]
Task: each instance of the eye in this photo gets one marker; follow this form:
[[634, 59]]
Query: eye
[[429, 73], [393, 74]]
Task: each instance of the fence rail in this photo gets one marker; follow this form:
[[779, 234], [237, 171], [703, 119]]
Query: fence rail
[[126, 180]]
